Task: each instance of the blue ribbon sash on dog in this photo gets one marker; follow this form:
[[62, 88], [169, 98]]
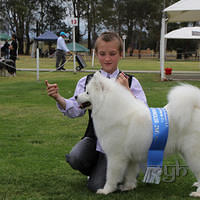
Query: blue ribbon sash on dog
[[155, 155]]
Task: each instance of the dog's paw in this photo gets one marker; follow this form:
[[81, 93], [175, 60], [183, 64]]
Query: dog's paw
[[127, 187], [195, 194], [102, 191], [196, 184], [106, 190]]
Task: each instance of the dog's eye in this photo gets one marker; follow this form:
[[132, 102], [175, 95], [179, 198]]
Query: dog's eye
[[87, 93]]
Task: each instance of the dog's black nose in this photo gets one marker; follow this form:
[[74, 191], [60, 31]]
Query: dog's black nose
[[75, 97]]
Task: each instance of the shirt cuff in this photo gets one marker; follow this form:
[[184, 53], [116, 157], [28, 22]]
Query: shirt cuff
[[69, 105]]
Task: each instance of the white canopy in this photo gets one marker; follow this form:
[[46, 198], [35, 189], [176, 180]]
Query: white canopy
[[184, 33], [182, 11]]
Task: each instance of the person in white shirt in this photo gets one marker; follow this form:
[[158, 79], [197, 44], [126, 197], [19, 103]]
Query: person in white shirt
[[61, 51], [87, 156]]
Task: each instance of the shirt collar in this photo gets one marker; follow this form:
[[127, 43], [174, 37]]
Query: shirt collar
[[113, 75]]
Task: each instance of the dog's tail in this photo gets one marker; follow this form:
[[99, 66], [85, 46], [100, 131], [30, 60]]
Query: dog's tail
[[182, 101]]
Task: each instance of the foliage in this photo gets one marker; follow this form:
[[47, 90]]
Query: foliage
[[140, 20], [23, 15]]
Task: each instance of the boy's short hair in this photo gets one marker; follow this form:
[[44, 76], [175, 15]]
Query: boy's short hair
[[107, 37]]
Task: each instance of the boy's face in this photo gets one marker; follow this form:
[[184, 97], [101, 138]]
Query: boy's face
[[108, 55]]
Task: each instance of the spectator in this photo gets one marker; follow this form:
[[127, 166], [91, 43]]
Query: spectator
[[5, 49], [61, 51], [13, 51]]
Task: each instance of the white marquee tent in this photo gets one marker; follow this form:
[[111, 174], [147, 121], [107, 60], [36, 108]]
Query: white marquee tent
[[182, 11], [184, 33]]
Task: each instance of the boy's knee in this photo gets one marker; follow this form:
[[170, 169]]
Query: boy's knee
[[83, 156], [73, 160], [78, 163]]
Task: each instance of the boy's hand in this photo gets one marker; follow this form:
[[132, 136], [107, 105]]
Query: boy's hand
[[123, 79], [52, 90]]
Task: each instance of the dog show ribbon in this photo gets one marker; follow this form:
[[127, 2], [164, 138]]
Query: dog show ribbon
[[155, 155]]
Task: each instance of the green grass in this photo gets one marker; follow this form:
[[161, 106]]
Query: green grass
[[34, 138], [128, 63]]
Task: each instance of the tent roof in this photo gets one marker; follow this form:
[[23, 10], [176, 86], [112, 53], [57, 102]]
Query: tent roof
[[4, 36], [184, 33], [79, 48], [47, 36], [184, 11]]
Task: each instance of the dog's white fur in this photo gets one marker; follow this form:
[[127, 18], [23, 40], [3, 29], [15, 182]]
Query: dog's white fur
[[124, 129]]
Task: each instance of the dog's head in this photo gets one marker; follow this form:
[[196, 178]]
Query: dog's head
[[93, 94], [84, 100]]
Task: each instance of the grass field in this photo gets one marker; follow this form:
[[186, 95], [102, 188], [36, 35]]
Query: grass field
[[128, 63], [34, 138]]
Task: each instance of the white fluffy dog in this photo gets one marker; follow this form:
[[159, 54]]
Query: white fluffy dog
[[123, 126]]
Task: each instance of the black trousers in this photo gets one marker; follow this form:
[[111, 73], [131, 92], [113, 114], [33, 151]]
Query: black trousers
[[88, 161], [13, 69]]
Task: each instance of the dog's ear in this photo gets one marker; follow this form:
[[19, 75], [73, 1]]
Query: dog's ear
[[99, 81], [97, 75]]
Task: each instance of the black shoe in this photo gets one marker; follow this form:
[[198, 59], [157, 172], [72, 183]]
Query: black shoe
[[63, 69]]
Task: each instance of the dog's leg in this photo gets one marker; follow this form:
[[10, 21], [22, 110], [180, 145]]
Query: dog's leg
[[192, 158], [196, 171], [197, 193], [115, 173], [130, 177]]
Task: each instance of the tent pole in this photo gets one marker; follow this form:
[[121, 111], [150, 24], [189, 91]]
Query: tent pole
[[162, 48], [38, 66]]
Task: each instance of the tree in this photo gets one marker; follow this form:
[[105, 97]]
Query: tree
[[15, 12], [51, 15], [91, 15], [140, 20], [23, 15]]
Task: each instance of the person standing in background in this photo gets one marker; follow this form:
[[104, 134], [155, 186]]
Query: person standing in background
[[13, 51], [5, 49], [61, 51]]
